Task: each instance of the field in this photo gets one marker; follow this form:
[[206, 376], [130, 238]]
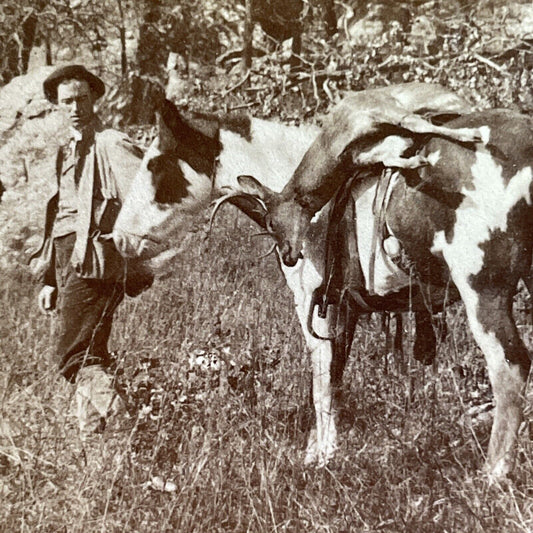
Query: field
[[214, 368], [211, 361]]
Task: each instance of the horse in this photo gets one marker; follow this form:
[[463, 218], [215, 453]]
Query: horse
[[463, 220], [430, 212]]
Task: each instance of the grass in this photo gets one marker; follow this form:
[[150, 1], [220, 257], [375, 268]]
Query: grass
[[214, 368]]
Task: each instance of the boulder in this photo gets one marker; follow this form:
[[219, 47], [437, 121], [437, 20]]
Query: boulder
[[23, 98]]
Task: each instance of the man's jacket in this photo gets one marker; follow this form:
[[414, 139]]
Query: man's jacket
[[110, 166]]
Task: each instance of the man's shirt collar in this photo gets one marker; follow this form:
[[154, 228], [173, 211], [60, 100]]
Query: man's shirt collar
[[75, 135]]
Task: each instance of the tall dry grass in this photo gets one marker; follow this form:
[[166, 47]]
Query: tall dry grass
[[213, 366]]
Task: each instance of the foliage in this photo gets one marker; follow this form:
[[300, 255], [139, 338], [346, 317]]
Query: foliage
[[18, 23], [459, 46], [481, 49], [197, 30], [463, 57], [215, 373]]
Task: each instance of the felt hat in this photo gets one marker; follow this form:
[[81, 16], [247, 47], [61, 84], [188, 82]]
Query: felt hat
[[69, 72]]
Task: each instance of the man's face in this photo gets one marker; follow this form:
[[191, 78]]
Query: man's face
[[76, 99]]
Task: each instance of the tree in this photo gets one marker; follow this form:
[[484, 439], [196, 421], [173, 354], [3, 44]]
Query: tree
[[122, 35], [331, 17], [247, 37], [18, 29]]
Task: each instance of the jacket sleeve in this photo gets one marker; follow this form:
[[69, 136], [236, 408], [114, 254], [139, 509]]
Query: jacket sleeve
[[122, 160], [48, 275], [42, 262]]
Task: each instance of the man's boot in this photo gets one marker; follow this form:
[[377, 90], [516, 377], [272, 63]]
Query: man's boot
[[96, 400]]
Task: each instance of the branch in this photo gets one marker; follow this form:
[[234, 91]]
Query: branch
[[237, 85], [491, 64]]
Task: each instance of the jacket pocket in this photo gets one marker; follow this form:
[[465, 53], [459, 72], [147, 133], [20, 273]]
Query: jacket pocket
[[102, 260], [106, 214]]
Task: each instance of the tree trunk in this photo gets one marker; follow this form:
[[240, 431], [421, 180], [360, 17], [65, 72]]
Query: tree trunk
[[48, 50], [248, 34], [146, 98], [29, 28], [122, 33], [18, 48], [331, 17], [296, 49], [150, 53], [123, 56]]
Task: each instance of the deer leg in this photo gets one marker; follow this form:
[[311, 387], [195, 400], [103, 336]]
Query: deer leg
[[418, 124], [416, 161], [390, 160]]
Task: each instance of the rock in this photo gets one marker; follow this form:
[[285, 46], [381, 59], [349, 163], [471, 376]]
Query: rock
[[423, 34], [65, 54], [158, 483], [23, 97]]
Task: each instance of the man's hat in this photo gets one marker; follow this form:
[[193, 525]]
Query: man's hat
[[72, 72]]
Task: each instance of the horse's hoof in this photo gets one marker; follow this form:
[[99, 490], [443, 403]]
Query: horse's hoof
[[499, 473]]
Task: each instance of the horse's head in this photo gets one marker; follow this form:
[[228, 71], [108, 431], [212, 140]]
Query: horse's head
[[195, 159], [174, 179]]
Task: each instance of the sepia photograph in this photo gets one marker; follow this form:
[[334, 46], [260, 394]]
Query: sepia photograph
[[266, 266]]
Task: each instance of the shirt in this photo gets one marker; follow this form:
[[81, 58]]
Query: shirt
[[102, 181], [67, 211]]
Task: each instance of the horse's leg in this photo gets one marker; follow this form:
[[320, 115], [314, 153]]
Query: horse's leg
[[326, 364], [489, 312], [303, 279], [489, 253], [398, 351], [329, 361]]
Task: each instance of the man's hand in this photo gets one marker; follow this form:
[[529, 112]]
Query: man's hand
[[47, 299]]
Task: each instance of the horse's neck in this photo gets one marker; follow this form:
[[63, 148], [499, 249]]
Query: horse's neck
[[270, 154]]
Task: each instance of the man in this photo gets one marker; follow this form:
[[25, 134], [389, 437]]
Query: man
[[80, 267]]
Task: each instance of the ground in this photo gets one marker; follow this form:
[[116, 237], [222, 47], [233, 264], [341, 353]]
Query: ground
[[212, 363], [214, 369]]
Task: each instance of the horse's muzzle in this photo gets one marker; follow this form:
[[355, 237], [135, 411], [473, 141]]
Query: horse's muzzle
[[136, 246]]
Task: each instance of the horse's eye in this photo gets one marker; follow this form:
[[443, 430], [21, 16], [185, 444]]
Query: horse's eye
[[168, 180]]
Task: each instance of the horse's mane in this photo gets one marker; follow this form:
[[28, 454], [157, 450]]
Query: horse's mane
[[210, 123]]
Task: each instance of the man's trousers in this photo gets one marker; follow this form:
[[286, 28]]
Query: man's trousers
[[86, 308]]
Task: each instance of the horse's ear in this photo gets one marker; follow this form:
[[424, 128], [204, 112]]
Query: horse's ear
[[253, 187], [167, 140]]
